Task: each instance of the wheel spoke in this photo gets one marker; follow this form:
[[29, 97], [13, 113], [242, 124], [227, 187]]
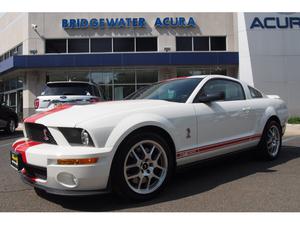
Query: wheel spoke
[[132, 166], [148, 182], [140, 182], [144, 150], [155, 176], [270, 135], [151, 152], [135, 155], [159, 167], [158, 156], [133, 176]]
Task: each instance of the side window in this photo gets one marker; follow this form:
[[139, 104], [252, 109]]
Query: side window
[[255, 93], [233, 90]]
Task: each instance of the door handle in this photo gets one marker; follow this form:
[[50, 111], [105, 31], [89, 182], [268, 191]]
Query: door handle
[[246, 108]]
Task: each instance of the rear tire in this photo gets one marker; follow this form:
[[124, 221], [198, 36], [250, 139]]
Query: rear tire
[[142, 167], [270, 143]]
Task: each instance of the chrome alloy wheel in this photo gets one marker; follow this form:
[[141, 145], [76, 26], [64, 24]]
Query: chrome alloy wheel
[[273, 140], [145, 167]]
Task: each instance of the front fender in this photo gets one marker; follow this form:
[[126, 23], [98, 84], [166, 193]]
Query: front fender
[[131, 123]]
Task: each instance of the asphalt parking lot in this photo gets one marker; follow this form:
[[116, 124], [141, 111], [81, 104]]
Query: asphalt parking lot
[[236, 183]]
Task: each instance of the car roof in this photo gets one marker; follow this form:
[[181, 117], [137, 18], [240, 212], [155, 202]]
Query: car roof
[[70, 82], [215, 76]]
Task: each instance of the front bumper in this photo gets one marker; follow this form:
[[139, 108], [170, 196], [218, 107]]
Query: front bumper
[[66, 179], [63, 192]]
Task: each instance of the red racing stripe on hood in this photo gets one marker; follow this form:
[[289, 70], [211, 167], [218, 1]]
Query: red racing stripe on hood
[[34, 118], [17, 143], [21, 148]]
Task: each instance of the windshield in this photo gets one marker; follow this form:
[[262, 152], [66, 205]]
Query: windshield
[[68, 89], [177, 90]]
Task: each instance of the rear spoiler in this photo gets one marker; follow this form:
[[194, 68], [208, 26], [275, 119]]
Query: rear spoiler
[[273, 96]]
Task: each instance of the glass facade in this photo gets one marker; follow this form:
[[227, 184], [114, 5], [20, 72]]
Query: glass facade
[[11, 94], [202, 43], [116, 83], [98, 45], [18, 50]]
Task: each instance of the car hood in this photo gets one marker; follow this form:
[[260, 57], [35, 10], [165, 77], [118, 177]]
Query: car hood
[[72, 115]]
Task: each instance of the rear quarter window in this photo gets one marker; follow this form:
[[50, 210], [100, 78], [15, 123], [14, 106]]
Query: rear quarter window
[[255, 93]]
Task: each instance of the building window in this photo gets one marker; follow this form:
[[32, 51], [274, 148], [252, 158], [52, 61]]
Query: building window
[[101, 45], [144, 44], [123, 44], [122, 91], [20, 49], [56, 46], [218, 43], [146, 76], [124, 77], [213, 43], [184, 44], [78, 45], [201, 43], [6, 55], [14, 51]]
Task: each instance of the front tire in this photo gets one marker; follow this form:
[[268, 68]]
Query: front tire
[[11, 126], [270, 144], [142, 167]]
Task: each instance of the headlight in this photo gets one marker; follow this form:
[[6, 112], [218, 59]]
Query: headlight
[[85, 137], [77, 136]]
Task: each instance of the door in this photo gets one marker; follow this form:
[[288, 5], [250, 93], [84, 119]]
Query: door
[[224, 121]]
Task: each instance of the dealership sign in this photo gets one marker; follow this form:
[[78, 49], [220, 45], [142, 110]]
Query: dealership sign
[[126, 23], [275, 23]]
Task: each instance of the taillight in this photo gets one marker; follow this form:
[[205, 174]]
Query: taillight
[[93, 100], [36, 103]]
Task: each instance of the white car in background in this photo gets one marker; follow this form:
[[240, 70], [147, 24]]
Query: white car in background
[[133, 146], [71, 92]]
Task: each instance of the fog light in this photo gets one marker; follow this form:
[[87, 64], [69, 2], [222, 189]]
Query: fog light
[[77, 161], [67, 180]]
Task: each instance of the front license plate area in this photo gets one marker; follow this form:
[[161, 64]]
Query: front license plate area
[[15, 160]]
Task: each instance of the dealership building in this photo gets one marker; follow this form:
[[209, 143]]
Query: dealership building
[[121, 52]]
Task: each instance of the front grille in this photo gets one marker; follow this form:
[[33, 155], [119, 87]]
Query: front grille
[[38, 132], [36, 171]]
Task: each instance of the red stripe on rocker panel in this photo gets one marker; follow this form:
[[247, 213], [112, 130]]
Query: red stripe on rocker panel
[[207, 148], [22, 148], [35, 117]]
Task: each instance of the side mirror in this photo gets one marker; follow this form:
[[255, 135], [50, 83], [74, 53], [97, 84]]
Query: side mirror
[[212, 97]]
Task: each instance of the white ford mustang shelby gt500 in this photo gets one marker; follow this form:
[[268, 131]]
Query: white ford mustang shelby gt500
[[133, 146]]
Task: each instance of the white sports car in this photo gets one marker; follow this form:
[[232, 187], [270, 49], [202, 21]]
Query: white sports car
[[133, 146]]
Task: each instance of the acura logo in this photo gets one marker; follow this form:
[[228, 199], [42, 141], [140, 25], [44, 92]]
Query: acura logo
[[45, 132]]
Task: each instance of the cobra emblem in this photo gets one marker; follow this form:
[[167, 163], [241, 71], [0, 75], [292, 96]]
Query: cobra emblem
[[46, 138]]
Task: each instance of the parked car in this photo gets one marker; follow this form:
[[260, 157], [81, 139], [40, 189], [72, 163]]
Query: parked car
[[72, 92], [133, 146], [8, 119]]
